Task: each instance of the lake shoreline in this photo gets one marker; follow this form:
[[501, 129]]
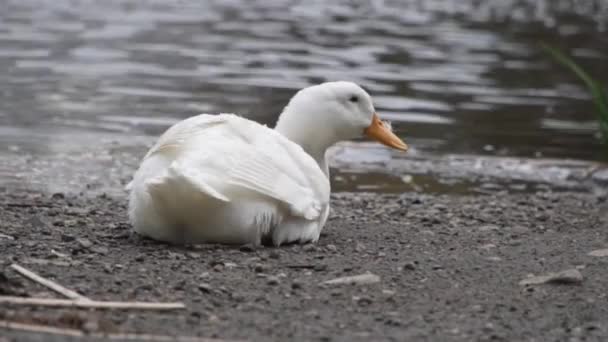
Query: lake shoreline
[[449, 269]]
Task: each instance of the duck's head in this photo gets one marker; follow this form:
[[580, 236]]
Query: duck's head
[[321, 115]]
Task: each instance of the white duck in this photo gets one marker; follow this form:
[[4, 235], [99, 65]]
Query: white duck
[[226, 179]]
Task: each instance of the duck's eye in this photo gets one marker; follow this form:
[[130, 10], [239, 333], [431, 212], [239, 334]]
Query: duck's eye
[[354, 98]]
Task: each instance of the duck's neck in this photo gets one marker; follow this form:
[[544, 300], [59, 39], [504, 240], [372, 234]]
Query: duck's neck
[[314, 140]]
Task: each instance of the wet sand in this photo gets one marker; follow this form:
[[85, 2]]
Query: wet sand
[[449, 269]]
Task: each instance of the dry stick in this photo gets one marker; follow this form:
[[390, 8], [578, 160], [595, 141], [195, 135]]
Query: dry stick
[[35, 328], [40, 328], [48, 283], [77, 300], [90, 304]]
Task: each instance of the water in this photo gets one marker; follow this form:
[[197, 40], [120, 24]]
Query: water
[[454, 76]]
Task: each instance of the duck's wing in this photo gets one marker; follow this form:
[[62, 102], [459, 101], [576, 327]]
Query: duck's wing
[[228, 157]]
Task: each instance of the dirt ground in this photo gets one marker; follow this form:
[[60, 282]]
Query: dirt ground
[[449, 269]]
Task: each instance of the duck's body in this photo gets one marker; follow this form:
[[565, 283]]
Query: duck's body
[[222, 178], [226, 179]]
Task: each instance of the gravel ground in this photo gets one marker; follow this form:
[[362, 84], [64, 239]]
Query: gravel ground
[[449, 269]]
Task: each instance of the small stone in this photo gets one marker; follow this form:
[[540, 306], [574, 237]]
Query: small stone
[[320, 267], [361, 279], [58, 195], [571, 276], [100, 250], [193, 255], [261, 268], [180, 285], [237, 297], [70, 223], [488, 228], [309, 248], [35, 222], [599, 253], [205, 288], [67, 237], [487, 246], [359, 247], [230, 265], [84, 243], [218, 267], [296, 284], [409, 266], [274, 255], [273, 280], [519, 230], [247, 248], [90, 326], [389, 293], [363, 301], [331, 248]]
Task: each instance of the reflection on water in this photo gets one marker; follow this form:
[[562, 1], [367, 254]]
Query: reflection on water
[[454, 76]]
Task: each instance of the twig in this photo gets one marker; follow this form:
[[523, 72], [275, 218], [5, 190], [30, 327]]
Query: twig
[[35, 328], [90, 304], [301, 266], [48, 283], [4, 236], [40, 328], [27, 205]]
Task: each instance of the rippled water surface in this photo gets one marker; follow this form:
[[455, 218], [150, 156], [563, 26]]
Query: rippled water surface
[[454, 76]]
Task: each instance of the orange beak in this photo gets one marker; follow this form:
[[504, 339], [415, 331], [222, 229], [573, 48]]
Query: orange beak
[[383, 134]]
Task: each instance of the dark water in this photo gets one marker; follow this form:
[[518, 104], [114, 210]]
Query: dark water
[[454, 76]]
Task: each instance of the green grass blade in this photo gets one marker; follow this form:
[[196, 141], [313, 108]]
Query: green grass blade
[[598, 92]]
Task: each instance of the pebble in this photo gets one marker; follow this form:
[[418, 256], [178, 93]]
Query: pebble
[[388, 292], [571, 276], [363, 301], [67, 237], [205, 287], [518, 231], [599, 253], [320, 267], [84, 243], [409, 266], [331, 248], [273, 280], [309, 248], [297, 284], [100, 250], [193, 255], [274, 255], [91, 325], [247, 248], [361, 279], [35, 222], [261, 268], [487, 246], [488, 228], [58, 195]]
